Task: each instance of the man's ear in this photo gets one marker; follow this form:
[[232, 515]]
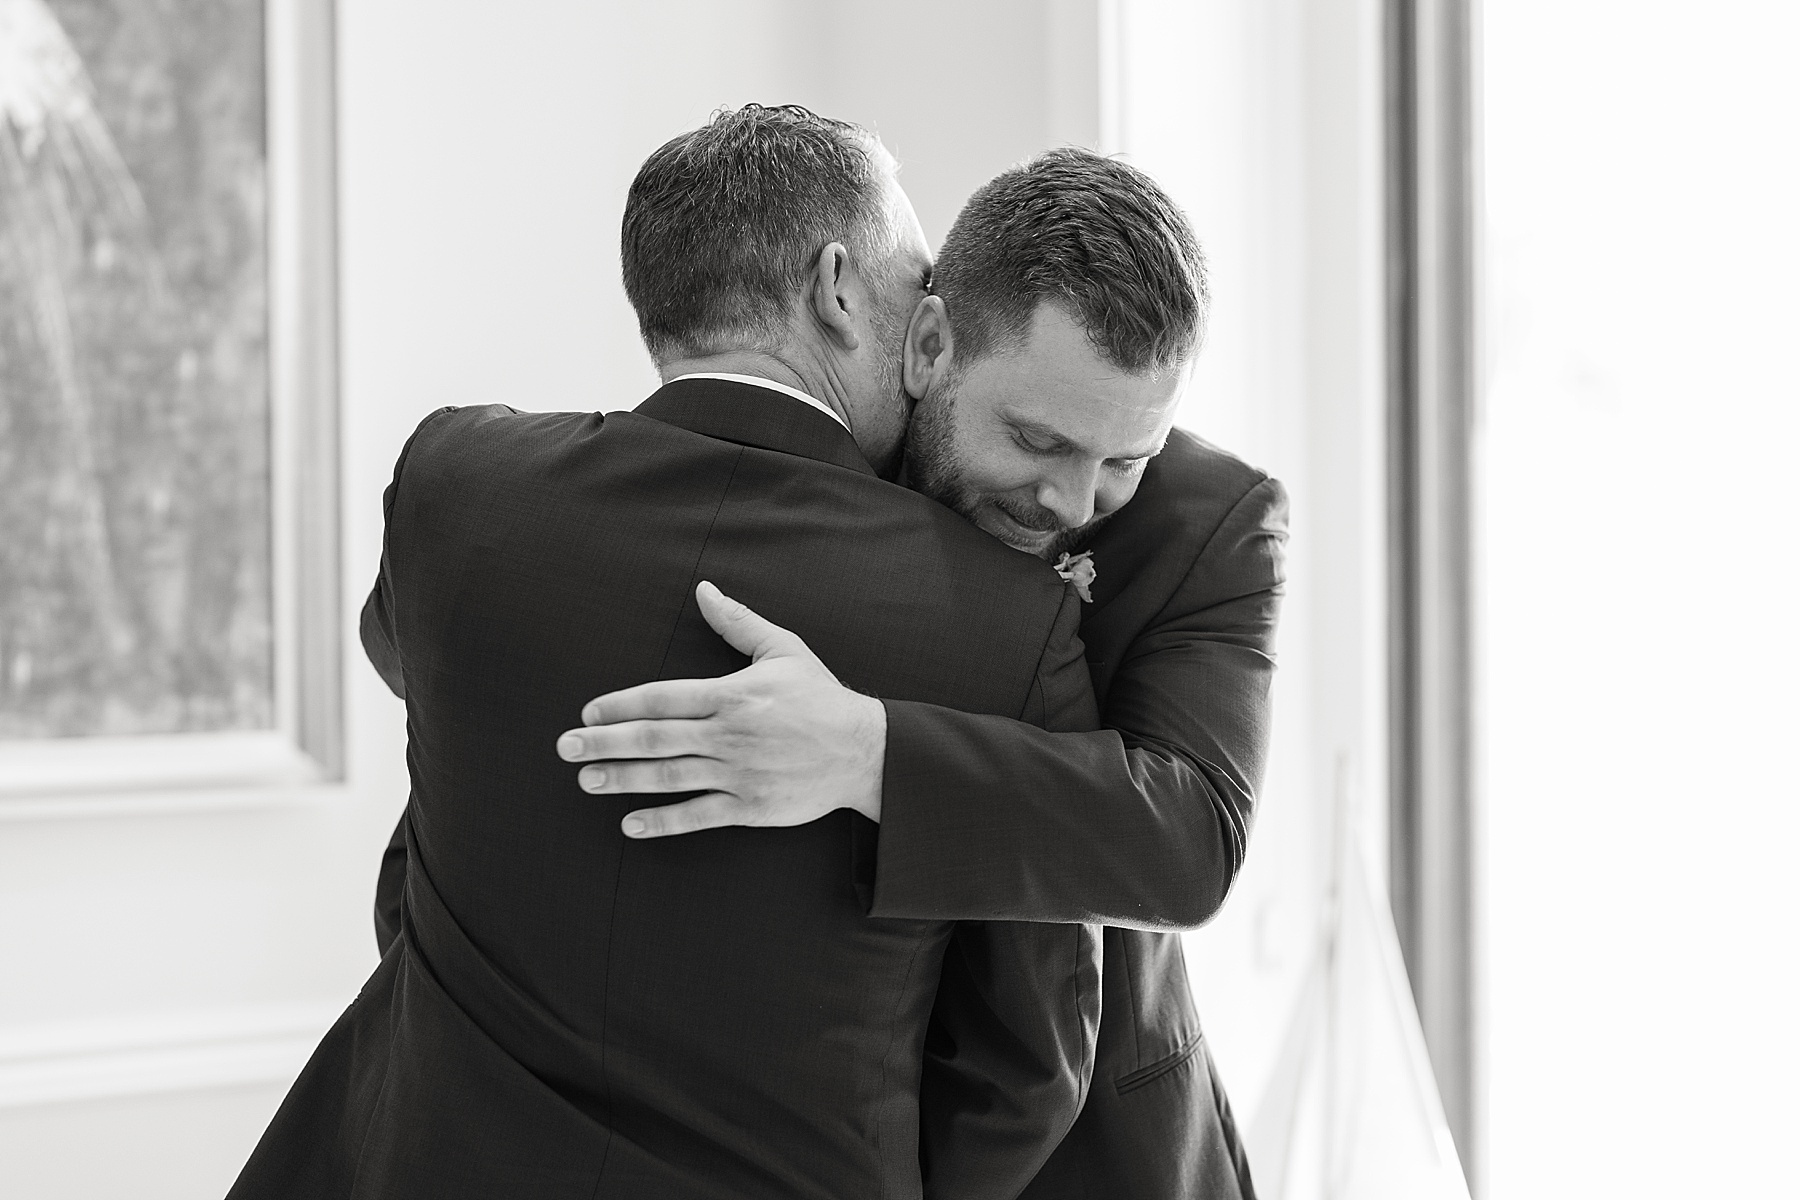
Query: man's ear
[[834, 288], [929, 347]]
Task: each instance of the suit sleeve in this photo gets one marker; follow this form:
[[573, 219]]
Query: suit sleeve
[[390, 889], [1142, 824], [383, 648], [377, 626], [378, 636]]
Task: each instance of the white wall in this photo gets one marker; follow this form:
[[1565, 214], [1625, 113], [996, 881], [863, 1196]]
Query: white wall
[[163, 975], [486, 162]]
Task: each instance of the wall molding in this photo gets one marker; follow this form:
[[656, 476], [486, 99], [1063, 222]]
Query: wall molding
[[135, 1055], [164, 803]]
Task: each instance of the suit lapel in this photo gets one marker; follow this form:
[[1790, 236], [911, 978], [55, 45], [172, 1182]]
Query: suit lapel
[[754, 416]]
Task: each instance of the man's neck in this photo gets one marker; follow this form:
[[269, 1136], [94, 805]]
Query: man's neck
[[762, 366]]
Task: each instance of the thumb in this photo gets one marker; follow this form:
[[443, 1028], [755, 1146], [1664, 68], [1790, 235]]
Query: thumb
[[747, 632]]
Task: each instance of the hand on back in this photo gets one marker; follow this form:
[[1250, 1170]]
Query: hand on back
[[778, 743]]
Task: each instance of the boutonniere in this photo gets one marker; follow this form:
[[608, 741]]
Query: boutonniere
[[1078, 569]]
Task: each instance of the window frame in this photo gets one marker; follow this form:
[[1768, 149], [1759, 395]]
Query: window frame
[[1431, 169], [68, 776]]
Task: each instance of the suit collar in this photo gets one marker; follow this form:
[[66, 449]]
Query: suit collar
[[772, 385], [754, 416]]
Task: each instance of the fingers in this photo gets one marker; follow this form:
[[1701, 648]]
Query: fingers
[[653, 775], [693, 699], [634, 739], [662, 700], [747, 632], [712, 811]]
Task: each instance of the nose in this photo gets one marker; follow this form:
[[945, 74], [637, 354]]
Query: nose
[[1070, 494]]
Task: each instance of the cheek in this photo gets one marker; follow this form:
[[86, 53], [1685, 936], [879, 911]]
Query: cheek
[[1113, 493], [997, 476], [994, 465]]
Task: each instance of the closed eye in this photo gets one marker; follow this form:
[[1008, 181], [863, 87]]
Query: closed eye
[[1126, 466], [1031, 445]]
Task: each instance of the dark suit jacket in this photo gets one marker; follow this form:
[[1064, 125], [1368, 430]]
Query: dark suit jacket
[[1141, 826], [570, 1013]]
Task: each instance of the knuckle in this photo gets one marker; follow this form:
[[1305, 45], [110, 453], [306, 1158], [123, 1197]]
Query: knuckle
[[649, 738]]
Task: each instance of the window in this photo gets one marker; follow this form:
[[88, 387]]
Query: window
[[1638, 525]]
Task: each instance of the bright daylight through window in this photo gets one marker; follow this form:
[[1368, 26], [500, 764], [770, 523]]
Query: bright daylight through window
[[1638, 597]]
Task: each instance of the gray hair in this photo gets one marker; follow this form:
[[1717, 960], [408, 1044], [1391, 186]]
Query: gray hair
[[724, 224]]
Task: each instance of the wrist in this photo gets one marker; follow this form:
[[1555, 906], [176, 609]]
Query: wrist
[[869, 747]]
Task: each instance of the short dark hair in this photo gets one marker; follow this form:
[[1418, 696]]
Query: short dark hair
[[1091, 234], [724, 223]]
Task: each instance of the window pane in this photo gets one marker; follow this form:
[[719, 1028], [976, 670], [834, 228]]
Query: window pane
[[1641, 655], [134, 422]]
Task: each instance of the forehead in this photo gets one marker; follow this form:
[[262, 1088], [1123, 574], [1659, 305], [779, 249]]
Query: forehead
[[1056, 383]]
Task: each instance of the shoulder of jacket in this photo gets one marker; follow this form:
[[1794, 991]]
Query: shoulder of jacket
[[488, 432], [1198, 468], [454, 420], [1190, 490]]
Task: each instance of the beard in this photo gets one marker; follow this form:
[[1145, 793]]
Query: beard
[[935, 467]]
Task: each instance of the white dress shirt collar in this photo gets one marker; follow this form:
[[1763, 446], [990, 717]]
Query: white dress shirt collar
[[758, 381]]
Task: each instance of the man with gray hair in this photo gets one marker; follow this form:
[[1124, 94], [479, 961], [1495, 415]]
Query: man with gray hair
[[565, 1011]]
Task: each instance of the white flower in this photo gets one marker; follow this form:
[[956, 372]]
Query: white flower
[[1078, 569]]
